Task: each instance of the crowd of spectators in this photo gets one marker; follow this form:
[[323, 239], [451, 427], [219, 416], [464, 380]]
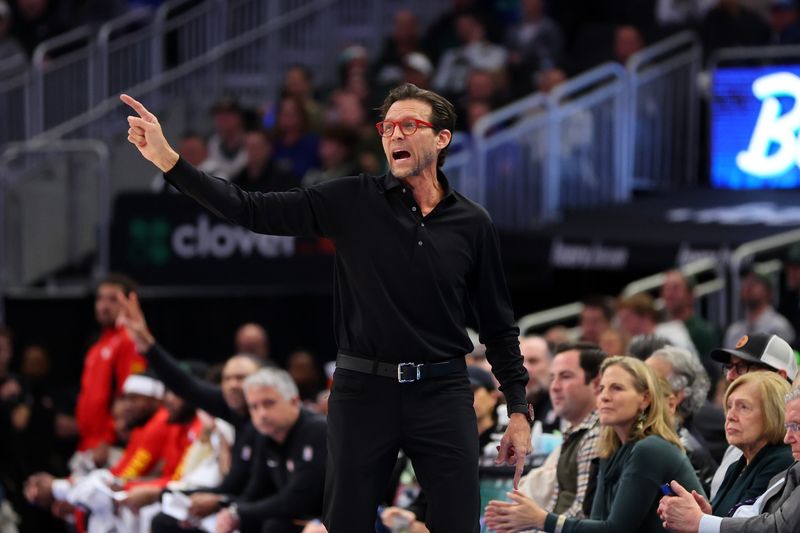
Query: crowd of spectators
[[150, 441], [481, 54], [147, 440]]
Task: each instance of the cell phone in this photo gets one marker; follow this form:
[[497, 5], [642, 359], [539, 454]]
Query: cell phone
[[667, 490]]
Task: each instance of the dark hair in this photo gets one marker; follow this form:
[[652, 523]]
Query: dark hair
[[126, 283], [341, 134], [302, 67], [642, 346], [590, 357], [226, 104], [266, 135], [602, 302], [443, 114]]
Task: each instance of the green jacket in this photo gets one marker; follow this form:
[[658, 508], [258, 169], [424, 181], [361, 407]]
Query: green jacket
[[628, 488], [743, 484]]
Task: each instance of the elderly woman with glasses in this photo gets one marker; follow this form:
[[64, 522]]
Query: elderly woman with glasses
[[754, 417], [688, 387], [777, 510], [639, 452]]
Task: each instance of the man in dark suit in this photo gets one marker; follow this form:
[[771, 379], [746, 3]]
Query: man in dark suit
[[775, 511]]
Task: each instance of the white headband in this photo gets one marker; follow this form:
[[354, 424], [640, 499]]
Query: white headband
[[144, 385]]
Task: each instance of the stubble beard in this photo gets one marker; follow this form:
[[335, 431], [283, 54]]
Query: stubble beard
[[423, 163]]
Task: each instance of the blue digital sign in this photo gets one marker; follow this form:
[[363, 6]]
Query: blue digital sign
[[755, 127]]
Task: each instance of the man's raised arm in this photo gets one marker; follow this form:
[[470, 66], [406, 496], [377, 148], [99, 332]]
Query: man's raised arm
[[313, 212]]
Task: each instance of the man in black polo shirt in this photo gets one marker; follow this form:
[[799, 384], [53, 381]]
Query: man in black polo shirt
[[412, 256]]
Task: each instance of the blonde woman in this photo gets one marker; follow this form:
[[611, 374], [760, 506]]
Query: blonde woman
[[754, 416], [639, 451]]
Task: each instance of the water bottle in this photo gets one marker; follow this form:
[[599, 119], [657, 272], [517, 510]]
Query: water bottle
[[536, 436]]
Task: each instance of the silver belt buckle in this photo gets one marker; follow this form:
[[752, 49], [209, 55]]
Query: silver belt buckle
[[400, 373]]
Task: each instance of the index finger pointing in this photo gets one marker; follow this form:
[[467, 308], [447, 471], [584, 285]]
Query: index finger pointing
[[138, 107], [518, 470]]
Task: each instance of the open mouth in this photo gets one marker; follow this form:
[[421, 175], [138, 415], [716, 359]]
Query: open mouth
[[399, 155]]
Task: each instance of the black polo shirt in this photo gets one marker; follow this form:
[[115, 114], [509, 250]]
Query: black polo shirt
[[292, 473], [403, 282]]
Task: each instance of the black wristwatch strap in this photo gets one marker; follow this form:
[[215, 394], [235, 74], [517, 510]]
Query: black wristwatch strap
[[525, 409]]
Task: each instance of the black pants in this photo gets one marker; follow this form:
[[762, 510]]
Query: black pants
[[370, 418]]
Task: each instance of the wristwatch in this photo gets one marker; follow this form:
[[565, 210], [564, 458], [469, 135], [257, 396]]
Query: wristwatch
[[525, 409]]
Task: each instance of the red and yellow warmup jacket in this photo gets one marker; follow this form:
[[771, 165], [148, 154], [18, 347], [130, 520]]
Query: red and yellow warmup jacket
[[157, 443], [106, 366]]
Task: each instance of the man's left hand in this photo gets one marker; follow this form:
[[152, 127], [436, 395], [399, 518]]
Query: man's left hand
[[226, 522], [515, 445], [680, 512]]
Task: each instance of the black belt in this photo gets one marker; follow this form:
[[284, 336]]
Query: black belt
[[402, 372]]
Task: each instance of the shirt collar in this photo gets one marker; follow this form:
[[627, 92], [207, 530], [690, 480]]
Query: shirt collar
[[587, 423], [389, 183]]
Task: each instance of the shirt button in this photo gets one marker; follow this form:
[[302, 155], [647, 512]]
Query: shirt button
[[422, 224], [414, 208], [419, 242], [404, 191]]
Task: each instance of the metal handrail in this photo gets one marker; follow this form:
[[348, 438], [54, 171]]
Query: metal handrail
[[137, 14], [653, 52], [486, 125], [19, 79], [497, 117], [554, 315], [273, 24], [749, 53], [182, 70], [15, 150], [162, 25], [40, 52], [539, 117], [611, 78], [40, 65], [667, 56], [574, 86], [745, 253], [572, 310], [649, 283], [16, 85], [104, 39]]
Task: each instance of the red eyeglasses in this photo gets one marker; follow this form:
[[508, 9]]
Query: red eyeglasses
[[408, 126]]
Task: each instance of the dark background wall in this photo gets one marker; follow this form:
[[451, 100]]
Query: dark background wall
[[203, 327]]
